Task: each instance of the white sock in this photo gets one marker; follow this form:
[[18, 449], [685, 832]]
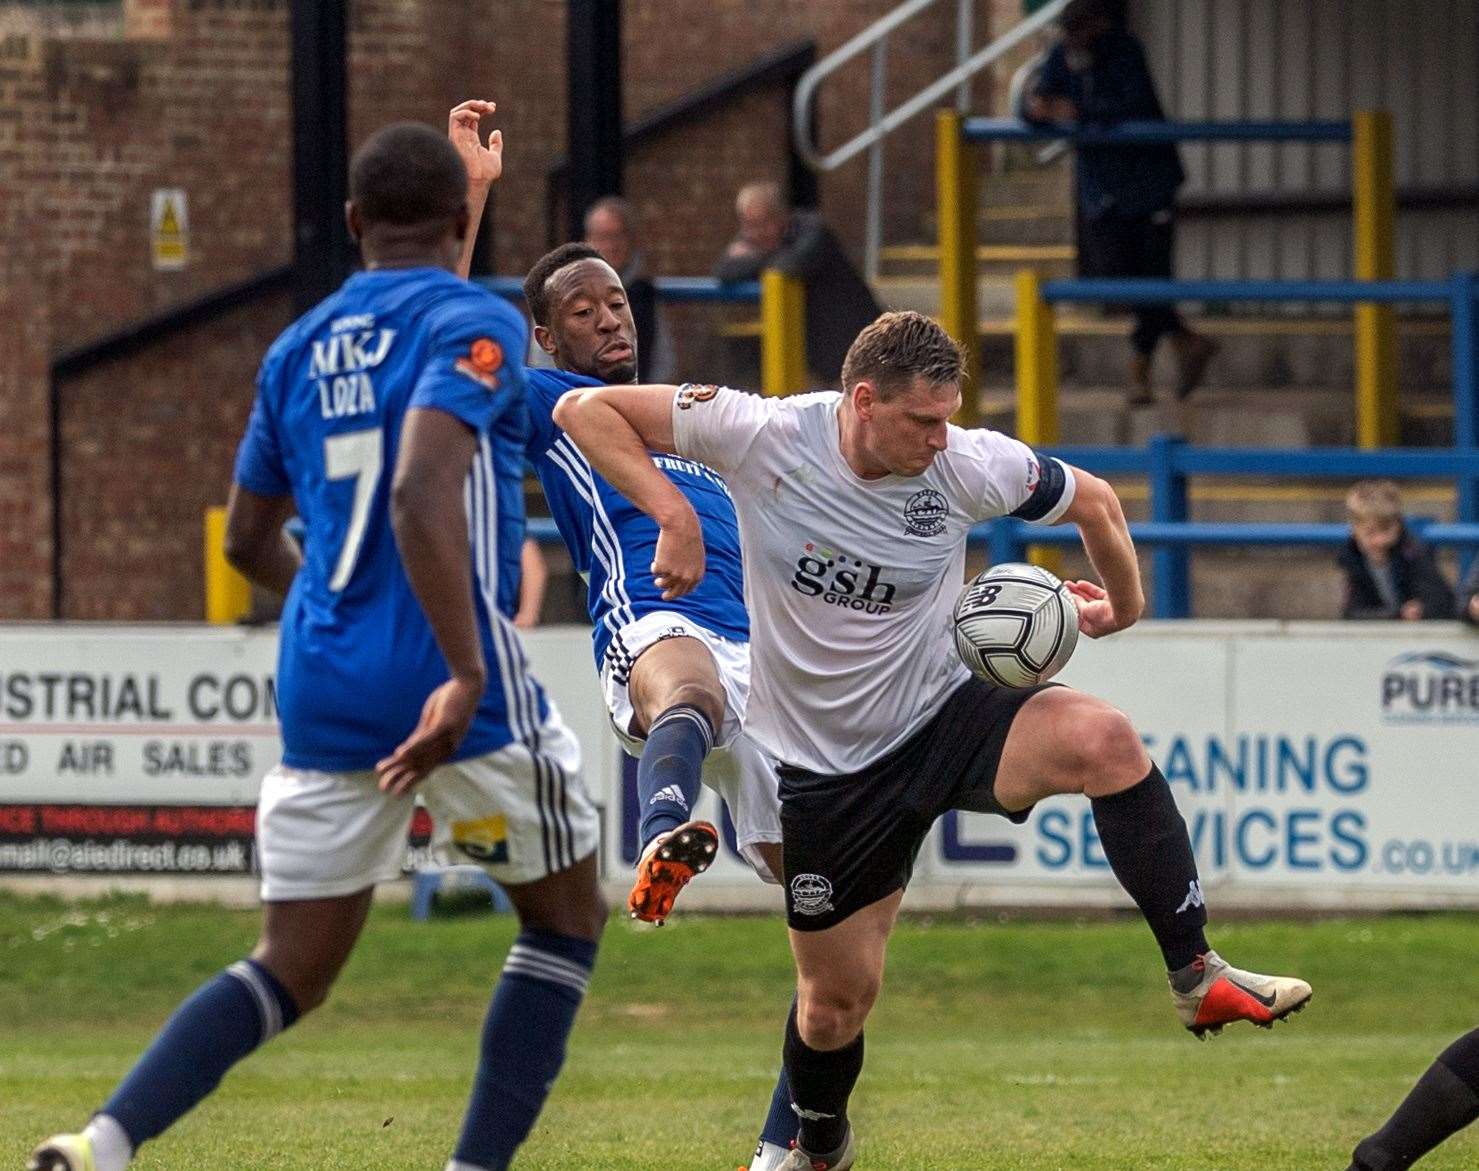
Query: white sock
[[111, 1150], [767, 1158]]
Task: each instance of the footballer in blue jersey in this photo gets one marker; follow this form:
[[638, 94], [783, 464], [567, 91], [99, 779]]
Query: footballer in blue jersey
[[392, 418], [674, 671]]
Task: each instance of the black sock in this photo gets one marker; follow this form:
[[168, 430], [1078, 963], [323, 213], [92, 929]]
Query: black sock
[[1445, 1100], [1145, 839], [821, 1083]]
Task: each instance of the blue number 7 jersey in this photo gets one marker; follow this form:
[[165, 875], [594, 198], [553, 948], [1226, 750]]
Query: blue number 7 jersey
[[612, 541], [357, 658]]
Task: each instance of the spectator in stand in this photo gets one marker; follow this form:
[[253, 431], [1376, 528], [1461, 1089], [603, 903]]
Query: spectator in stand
[[839, 302], [1468, 596], [1389, 573], [611, 229], [1096, 76]]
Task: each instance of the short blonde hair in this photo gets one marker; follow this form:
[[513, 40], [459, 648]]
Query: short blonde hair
[[1374, 500]]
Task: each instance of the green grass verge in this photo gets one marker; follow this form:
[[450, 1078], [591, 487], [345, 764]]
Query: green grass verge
[[1020, 1045]]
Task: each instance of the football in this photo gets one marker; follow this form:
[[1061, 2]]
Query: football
[[1016, 625]]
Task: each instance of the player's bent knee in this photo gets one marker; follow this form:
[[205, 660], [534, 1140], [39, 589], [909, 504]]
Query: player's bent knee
[[308, 984], [706, 697], [1112, 756], [831, 1018]]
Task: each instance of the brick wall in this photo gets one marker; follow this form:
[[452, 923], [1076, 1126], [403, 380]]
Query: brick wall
[[96, 113]]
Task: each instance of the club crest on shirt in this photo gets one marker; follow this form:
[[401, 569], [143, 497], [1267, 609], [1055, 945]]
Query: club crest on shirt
[[482, 359], [690, 393], [925, 512]]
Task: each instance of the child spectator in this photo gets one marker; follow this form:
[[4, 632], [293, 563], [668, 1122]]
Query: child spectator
[[1389, 573]]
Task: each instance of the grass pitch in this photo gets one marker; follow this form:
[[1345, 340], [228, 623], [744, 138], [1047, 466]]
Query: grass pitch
[[996, 1046]]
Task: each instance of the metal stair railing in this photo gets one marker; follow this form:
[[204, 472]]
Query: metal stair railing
[[881, 122]]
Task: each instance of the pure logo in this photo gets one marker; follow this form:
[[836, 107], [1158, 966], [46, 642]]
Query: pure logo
[[841, 580], [1430, 687], [925, 512], [811, 894]]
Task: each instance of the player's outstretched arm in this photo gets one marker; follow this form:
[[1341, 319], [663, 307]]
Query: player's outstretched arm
[[430, 525], [256, 545], [1101, 524], [616, 426], [484, 163]]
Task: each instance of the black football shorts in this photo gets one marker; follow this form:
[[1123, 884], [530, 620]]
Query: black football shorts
[[851, 840]]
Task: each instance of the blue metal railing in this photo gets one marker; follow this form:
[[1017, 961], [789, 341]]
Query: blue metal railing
[[1461, 292], [1146, 133], [677, 289], [1151, 290], [1168, 462]]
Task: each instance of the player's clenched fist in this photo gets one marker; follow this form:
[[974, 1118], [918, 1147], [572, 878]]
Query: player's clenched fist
[[678, 562]]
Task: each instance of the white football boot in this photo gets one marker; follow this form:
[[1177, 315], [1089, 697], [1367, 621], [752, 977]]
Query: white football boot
[[1226, 994]]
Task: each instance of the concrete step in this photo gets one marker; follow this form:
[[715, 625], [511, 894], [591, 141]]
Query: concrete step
[[1268, 352], [999, 222], [1219, 415], [998, 261]]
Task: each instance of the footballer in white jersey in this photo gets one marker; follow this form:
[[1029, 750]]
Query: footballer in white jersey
[[854, 510]]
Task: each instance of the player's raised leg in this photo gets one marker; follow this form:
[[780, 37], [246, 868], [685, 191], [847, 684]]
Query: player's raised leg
[[1444, 1101], [303, 947], [678, 705], [1062, 741]]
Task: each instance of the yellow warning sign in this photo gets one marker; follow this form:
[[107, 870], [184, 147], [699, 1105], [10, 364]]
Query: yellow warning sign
[[169, 229]]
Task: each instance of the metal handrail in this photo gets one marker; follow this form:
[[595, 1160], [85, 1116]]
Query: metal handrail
[[882, 123], [806, 88]]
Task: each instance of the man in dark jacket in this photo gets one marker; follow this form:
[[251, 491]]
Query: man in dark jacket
[[838, 301], [1097, 76], [1389, 573]]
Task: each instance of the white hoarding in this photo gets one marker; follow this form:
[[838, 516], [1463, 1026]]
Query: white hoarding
[[1315, 763]]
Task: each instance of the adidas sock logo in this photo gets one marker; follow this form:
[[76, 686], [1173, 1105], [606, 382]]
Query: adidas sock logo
[[670, 793]]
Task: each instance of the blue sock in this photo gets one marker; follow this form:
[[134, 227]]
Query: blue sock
[[780, 1123], [671, 769], [534, 1006], [223, 1021]]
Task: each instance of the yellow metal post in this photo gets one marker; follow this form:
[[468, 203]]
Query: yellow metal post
[[782, 333], [1375, 205], [1037, 363], [955, 201], [228, 595], [1037, 384]]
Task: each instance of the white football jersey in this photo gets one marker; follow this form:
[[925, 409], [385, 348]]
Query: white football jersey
[[851, 583]]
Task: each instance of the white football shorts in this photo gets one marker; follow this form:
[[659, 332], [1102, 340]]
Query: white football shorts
[[519, 813], [739, 770]]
